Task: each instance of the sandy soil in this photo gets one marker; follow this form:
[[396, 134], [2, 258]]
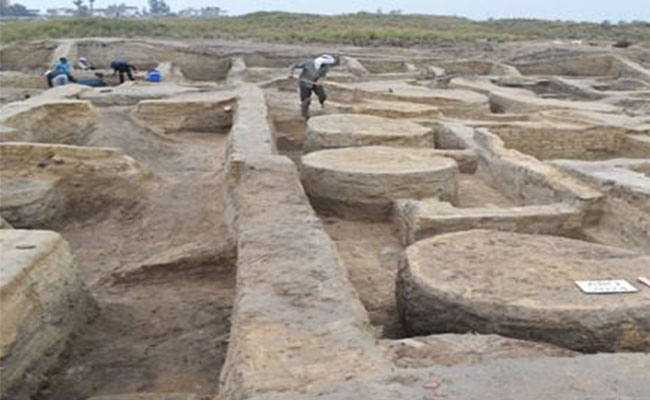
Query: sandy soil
[[163, 328], [368, 251], [475, 192]]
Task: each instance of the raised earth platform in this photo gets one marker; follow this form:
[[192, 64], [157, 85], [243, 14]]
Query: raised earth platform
[[523, 286], [387, 109], [348, 130], [364, 181], [47, 120], [42, 303], [419, 219], [195, 113], [41, 184]]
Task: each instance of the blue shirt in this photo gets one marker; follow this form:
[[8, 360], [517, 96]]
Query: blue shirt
[[61, 68]]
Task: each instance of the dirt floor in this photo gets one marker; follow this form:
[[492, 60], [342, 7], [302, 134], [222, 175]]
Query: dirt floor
[[368, 251], [162, 273], [168, 336], [475, 192]]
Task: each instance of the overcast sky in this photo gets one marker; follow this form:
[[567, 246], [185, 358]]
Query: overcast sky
[[580, 10]]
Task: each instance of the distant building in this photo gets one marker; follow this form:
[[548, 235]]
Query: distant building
[[131, 11], [60, 12], [189, 12], [212, 11], [204, 12]]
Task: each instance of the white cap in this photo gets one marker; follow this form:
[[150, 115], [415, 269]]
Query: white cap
[[324, 59]]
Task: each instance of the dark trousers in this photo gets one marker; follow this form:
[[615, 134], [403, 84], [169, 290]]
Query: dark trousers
[[305, 97], [128, 73], [305, 93]]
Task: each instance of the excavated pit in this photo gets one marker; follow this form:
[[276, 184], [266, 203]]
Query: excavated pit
[[157, 263], [154, 334], [195, 65]]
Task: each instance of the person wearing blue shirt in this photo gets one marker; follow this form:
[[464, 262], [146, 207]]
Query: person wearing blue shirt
[[61, 67]]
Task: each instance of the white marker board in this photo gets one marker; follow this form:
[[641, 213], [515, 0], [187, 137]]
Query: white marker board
[[606, 286]]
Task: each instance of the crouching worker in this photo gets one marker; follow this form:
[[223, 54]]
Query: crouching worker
[[84, 65], [312, 72], [60, 73], [122, 67]]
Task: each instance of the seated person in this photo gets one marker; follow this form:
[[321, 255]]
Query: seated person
[[61, 67], [84, 65]]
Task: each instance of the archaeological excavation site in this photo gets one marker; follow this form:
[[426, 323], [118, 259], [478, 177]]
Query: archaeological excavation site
[[453, 223]]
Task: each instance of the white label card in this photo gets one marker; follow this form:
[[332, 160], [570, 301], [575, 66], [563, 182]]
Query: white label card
[[604, 287]]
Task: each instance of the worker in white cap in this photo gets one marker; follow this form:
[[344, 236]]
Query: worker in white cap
[[312, 72], [83, 64]]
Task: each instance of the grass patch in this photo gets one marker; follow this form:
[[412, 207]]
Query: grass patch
[[362, 29]]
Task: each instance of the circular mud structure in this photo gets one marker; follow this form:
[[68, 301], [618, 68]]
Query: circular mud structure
[[364, 181], [351, 130], [523, 286]]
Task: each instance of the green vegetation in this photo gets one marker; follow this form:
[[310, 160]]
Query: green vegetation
[[358, 29]]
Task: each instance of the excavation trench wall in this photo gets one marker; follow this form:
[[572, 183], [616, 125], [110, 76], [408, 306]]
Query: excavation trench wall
[[195, 66], [43, 303], [210, 114], [627, 202], [578, 143], [554, 142], [599, 65], [27, 57], [518, 176], [293, 298], [48, 121], [262, 60], [383, 66]]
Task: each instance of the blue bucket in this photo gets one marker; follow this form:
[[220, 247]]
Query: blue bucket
[[153, 75]]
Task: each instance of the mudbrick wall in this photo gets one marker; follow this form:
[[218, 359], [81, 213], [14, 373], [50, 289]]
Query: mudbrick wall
[[42, 302], [297, 320], [626, 210], [552, 142], [520, 177], [527, 179], [598, 65]]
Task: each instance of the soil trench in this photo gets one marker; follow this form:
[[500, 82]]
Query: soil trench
[[163, 326], [368, 251]]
